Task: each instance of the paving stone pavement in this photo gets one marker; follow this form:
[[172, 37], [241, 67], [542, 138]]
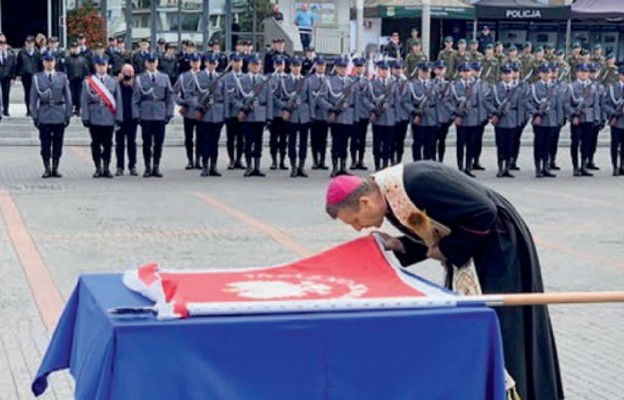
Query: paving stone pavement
[[80, 224]]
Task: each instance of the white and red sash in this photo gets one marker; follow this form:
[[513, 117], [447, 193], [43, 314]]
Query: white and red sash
[[103, 93]]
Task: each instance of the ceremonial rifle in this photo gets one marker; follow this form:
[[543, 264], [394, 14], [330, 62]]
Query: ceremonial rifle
[[619, 110], [295, 101], [342, 103], [544, 106], [579, 102], [424, 105], [207, 100], [251, 100], [503, 106]]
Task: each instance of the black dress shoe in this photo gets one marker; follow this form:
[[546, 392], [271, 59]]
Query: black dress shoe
[[133, 172], [119, 172], [592, 166], [6, 114], [548, 174], [478, 167], [555, 167], [469, 173]]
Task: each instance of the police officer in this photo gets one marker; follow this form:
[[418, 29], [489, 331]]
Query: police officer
[[582, 107], [545, 111], [235, 142], [51, 107], [464, 100], [101, 111], [561, 88], [483, 116], [27, 67], [186, 96], [7, 73], [402, 109], [308, 61], [77, 70], [211, 94], [254, 99], [295, 107], [523, 116], [381, 101], [152, 105], [319, 115], [613, 104], [120, 57], [423, 101], [447, 55], [277, 129], [168, 63], [445, 117], [139, 56], [222, 58], [277, 51], [338, 98], [362, 116], [594, 70], [504, 104]]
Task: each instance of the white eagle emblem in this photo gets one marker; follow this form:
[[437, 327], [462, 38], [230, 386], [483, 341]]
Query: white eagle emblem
[[264, 289]]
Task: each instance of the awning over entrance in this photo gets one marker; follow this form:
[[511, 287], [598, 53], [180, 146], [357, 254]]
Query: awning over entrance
[[442, 9], [521, 10], [598, 9]]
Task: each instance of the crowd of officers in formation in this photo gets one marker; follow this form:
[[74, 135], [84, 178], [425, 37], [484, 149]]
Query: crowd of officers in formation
[[297, 98]]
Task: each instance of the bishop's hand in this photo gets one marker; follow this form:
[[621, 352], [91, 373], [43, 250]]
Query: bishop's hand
[[390, 243]]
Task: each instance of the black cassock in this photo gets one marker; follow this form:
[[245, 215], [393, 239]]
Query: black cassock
[[486, 228]]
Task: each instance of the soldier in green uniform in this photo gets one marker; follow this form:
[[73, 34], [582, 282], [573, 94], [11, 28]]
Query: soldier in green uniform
[[491, 66], [526, 57], [447, 55], [597, 57], [414, 58], [609, 74], [460, 57], [499, 52], [475, 55], [532, 75], [512, 58], [565, 71], [549, 54], [574, 59]]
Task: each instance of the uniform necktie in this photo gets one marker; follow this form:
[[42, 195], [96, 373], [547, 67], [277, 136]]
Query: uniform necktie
[[153, 77], [254, 79], [50, 77], [102, 79]]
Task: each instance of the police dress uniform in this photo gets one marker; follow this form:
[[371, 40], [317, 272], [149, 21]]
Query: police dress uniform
[[362, 118], [464, 100], [51, 108], [211, 108], [403, 114], [503, 103], [277, 130], [294, 104], [186, 96], [338, 98], [319, 127], [28, 64], [381, 101], [583, 104], [8, 63], [99, 118], [595, 69], [523, 117], [152, 104], [424, 96], [235, 140], [613, 104], [77, 70], [545, 110], [483, 118], [254, 99], [445, 114]]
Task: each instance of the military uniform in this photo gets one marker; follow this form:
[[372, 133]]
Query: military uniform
[[490, 70], [186, 96], [319, 115], [295, 102], [582, 102], [424, 96], [152, 104], [412, 61], [51, 108], [77, 70], [609, 75], [464, 100], [101, 118], [504, 104], [527, 62], [613, 104], [574, 60], [338, 98], [546, 113], [381, 101], [278, 134], [448, 56], [254, 99], [8, 64], [476, 56], [362, 119], [211, 110], [235, 142], [459, 59]]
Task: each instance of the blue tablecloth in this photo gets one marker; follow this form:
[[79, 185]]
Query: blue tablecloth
[[414, 354]]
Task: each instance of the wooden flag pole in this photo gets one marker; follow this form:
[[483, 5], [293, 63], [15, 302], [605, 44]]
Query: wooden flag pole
[[533, 299]]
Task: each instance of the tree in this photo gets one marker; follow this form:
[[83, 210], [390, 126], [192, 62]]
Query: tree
[[88, 20]]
